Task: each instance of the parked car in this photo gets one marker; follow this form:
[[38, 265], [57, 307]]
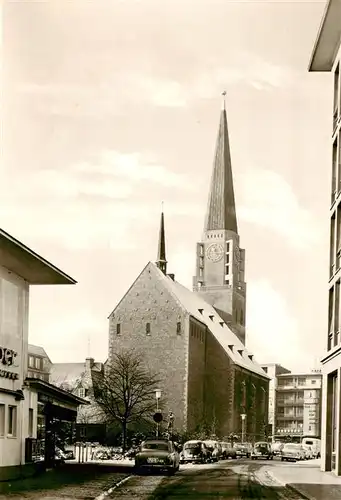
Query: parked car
[[215, 449], [292, 451], [228, 450], [195, 451], [315, 444], [276, 448], [157, 454], [308, 451], [242, 450], [262, 449]]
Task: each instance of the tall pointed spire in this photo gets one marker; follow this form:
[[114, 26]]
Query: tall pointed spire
[[161, 254], [221, 208]]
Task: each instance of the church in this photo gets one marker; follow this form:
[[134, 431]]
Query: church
[[195, 340]]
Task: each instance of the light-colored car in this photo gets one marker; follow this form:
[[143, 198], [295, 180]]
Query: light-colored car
[[243, 449], [276, 448], [262, 449], [195, 451], [293, 451], [308, 451], [315, 444], [227, 450], [157, 454]]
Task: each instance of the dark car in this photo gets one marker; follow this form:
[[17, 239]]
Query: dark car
[[157, 454], [262, 449]]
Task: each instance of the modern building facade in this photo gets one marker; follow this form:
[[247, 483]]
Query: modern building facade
[[20, 267], [326, 57], [194, 340], [273, 370], [298, 406]]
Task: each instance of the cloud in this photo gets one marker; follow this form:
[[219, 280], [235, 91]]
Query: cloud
[[268, 200], [272, 333], [111, 93], [80, 328], [93, 205], [136, 168]]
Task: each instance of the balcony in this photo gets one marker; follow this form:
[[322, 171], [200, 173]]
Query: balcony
[[293, 402]]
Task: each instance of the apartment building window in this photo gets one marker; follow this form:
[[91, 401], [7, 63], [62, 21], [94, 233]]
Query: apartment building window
[[338, 237], [337, 313], [2, 420], [12, 421], [148, 328], [336, 95], [334, 382], [38, 363], [332, 247], [30, 422], [330, 317], [31, 361]]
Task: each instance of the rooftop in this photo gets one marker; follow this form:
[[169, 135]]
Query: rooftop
[[36, 350], [206, 314], [328, 38], [27, 264]]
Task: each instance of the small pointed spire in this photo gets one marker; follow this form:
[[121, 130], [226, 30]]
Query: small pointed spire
[[221, 208], [224, 99], [161, 261]]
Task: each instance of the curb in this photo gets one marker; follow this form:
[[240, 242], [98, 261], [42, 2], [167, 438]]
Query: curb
[[300, 492], [103, 495], [294, 489]]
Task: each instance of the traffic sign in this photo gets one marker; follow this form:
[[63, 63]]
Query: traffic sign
[[157, 417]]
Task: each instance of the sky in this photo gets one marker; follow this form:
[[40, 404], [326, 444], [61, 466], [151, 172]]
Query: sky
[[111, 107]]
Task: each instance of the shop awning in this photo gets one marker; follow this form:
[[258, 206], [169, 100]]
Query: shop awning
[[24, 262], [49, 393]]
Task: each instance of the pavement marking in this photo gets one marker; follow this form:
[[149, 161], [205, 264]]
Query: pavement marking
[[108, 492]]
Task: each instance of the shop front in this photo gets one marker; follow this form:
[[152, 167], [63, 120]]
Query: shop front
[[20, 267], [53, 421]]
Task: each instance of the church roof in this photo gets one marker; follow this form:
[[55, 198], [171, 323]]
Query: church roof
[[194, 304], [221, 208]]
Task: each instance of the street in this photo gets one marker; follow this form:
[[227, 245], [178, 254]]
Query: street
[[234, 479]]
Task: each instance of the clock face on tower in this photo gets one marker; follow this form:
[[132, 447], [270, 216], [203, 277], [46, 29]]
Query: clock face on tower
[[215, 252]]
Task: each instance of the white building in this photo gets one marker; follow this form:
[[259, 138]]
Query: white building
[[326, 57], [272, 370], [20, 267]]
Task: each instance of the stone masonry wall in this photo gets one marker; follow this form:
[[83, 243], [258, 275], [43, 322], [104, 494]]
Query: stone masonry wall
[[196, 374], [219, 385], [251, 398], [165, 348]]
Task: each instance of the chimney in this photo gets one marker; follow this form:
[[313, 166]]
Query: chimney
[[89, 363]]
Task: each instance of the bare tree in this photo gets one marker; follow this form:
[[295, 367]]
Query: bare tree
[[126, 391]]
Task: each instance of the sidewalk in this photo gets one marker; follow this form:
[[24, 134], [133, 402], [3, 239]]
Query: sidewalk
[[307, 478], [69, 482]]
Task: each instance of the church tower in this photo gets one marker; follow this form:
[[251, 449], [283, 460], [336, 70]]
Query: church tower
[[220, 262]]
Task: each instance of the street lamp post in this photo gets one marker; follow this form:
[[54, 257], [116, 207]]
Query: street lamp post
[[158, 394], [243, 416]]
